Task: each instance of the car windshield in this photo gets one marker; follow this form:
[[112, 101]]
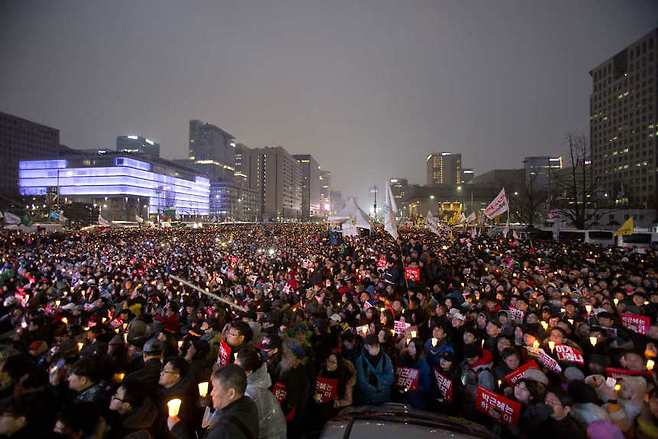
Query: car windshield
[[366, 429]]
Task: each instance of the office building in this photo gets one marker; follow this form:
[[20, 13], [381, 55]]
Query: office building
[[311, 205], [21, 139], [444, 168], [468, 175], [398, 188], [138, 145], [278, 180], [624, 125], [325, 192], [212, 150], [122, 186], [539, 171]]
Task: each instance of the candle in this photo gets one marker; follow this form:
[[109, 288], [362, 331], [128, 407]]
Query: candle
[[593, 340], [551, 345], [535, 344], [79, 346], [203, 389], [119, 376], [617, 387], [570, 321], [413, 334], [544, 325], [180, 344], [434, 341], [65, 320], [588, 308], [650, 364], [173, 405]]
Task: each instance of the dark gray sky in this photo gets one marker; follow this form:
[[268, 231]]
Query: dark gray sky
[[368, 87]]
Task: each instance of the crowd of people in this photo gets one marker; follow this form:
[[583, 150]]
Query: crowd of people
[[100, 339]]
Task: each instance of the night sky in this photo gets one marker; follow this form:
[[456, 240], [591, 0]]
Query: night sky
[[369, 87]]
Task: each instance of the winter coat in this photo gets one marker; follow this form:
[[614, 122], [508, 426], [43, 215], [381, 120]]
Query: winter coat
[[148, 376], [433, 353], [374, 383], [420, 397], [271, 422], [235, 421], [479, 374], [142, 423]]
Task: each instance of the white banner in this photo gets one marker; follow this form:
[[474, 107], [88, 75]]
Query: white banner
[[498, 206]]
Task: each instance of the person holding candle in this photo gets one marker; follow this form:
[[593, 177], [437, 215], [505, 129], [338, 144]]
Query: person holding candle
[[175, 382], [375, 374], [236, 414]]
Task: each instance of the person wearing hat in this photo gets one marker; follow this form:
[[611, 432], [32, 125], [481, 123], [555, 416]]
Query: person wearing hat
[[270, 348], [149, 374], [476, 370], [374, 372]]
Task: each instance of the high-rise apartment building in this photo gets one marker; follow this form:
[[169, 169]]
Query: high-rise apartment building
[[311, 203], [279, 180], [468, 174], [624, 125], [21, 139], [139, 145], [444, 168], [212, 150]]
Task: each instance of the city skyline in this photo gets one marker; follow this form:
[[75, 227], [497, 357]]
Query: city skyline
[[360, 85]]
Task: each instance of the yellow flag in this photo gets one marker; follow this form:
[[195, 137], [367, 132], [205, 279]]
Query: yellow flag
[[626, 229]]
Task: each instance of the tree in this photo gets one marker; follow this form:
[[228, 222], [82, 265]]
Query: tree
[[577, 188], [526, 203]]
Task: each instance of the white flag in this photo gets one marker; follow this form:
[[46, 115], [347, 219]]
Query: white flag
[[349, 229], [102, 221], [139, 219], [62, 218], [506, 230], [514, 235], [359, 216], [12, 219], [471, 218], [498, 206], [389, 214]]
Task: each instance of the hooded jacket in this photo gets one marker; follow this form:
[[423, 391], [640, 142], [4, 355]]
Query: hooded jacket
[[139, 424], [271, 422]]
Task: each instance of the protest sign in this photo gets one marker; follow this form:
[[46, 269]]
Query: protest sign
[[444, 385], [497, 406], [636, 323], [519, 373], [569, 354], [326, 389], [406, 378], [412, 274], [400, 327]]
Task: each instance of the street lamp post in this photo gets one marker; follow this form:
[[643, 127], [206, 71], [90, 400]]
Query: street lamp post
[[373, 190]]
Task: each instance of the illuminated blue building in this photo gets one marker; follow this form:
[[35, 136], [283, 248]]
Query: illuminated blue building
[[123, 187]]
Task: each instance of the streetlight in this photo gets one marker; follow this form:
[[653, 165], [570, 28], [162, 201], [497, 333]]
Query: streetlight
[[373, 190], [431, 197]]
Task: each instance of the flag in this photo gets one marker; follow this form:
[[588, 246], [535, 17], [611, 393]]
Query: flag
[[627, 228], [359, 216], [498, 206], [471, 218], [429, 219], [53, 216], [514, 235], [556, 229], [26, 220], [389, 214], [349, 229], [474, 233], [139, 219], [102, 221], [62, 218], [10, 219]]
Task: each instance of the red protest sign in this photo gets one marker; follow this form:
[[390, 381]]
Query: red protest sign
[[497, 407], [444, 384], [519, 374], [568, 354], [400, 327], [545, 359], [616, 372], [412, 274], [636, 323], [406, 378], [327, 389], [224, 354]]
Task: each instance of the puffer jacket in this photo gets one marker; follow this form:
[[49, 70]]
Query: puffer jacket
[[271, 422], [374, 383]]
